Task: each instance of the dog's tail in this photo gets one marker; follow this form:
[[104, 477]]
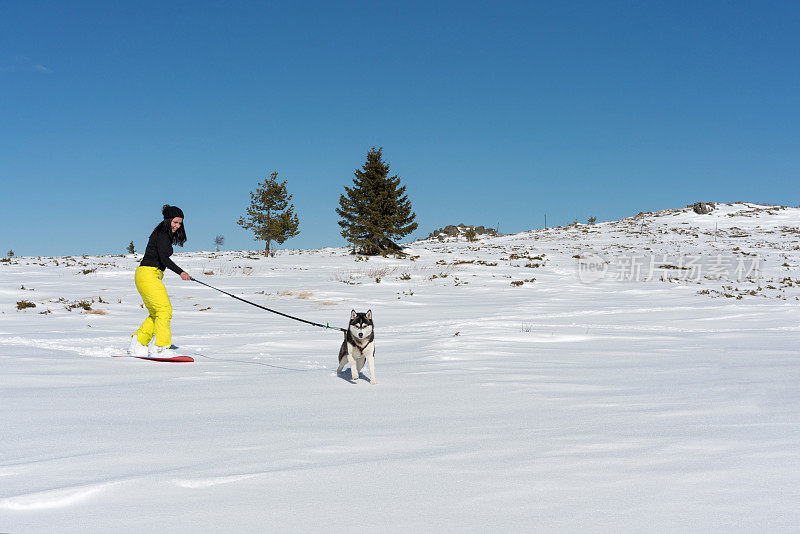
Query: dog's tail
[[342, 349]]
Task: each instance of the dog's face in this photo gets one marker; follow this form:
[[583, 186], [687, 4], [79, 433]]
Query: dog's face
[[361, 324]]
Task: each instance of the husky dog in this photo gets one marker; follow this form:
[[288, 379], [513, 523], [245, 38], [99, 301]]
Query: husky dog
[[358, 345]]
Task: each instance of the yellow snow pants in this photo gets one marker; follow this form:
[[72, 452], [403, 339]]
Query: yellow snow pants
[[156, 300]]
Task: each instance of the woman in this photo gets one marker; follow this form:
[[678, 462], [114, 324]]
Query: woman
[[148, 282]]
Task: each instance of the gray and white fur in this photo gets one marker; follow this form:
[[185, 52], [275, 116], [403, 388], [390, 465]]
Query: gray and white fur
[[358, 345]]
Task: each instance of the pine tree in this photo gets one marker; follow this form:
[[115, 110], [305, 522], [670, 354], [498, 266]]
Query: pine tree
[[270, 215], [131, 249], [375, 212]]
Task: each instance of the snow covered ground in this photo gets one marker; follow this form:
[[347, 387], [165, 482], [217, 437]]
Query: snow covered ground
[[636, 375]]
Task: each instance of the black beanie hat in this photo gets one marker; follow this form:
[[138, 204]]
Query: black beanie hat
[[170, 212]]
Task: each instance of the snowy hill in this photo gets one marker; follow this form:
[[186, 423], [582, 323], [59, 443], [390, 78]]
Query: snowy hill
[[638, 374]]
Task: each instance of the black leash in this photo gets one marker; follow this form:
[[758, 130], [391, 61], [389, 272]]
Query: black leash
[[269, 310]]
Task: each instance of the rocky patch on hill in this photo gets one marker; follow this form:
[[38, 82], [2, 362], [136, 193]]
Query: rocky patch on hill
[[460, 230]]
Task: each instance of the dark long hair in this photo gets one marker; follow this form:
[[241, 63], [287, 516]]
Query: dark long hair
[[179, 237]]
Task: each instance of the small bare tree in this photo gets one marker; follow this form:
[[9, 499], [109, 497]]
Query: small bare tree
[[218, 242]]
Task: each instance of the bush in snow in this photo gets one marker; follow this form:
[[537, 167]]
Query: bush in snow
[[22, 304]]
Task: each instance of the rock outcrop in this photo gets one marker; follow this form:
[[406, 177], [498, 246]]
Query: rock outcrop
[[702, 208], [459, 230]]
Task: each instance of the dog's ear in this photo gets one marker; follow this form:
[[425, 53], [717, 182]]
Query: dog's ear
[[369, 315], [353, 314]]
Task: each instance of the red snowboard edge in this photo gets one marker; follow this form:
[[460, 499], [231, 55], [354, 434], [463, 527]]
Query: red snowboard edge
[[174, 359]]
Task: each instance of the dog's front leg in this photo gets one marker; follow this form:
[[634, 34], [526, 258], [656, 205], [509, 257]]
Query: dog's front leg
[[369, 352], [352, 361]]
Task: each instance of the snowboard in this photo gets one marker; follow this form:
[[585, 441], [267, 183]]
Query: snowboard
[[174, 359]]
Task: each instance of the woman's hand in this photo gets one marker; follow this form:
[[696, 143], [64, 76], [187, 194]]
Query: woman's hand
[[185, 276]]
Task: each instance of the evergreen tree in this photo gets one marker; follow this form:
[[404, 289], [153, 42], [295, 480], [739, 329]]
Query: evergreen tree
[[375, 212], [270, 216], [131, 248]]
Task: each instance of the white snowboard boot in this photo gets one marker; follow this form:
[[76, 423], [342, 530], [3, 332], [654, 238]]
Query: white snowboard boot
[[156, 351], [136, 348]]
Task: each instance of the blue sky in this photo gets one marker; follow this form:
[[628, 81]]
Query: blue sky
[[490, 112]]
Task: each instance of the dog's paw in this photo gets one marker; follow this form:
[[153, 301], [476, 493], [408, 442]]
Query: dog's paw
[[373, 382]]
